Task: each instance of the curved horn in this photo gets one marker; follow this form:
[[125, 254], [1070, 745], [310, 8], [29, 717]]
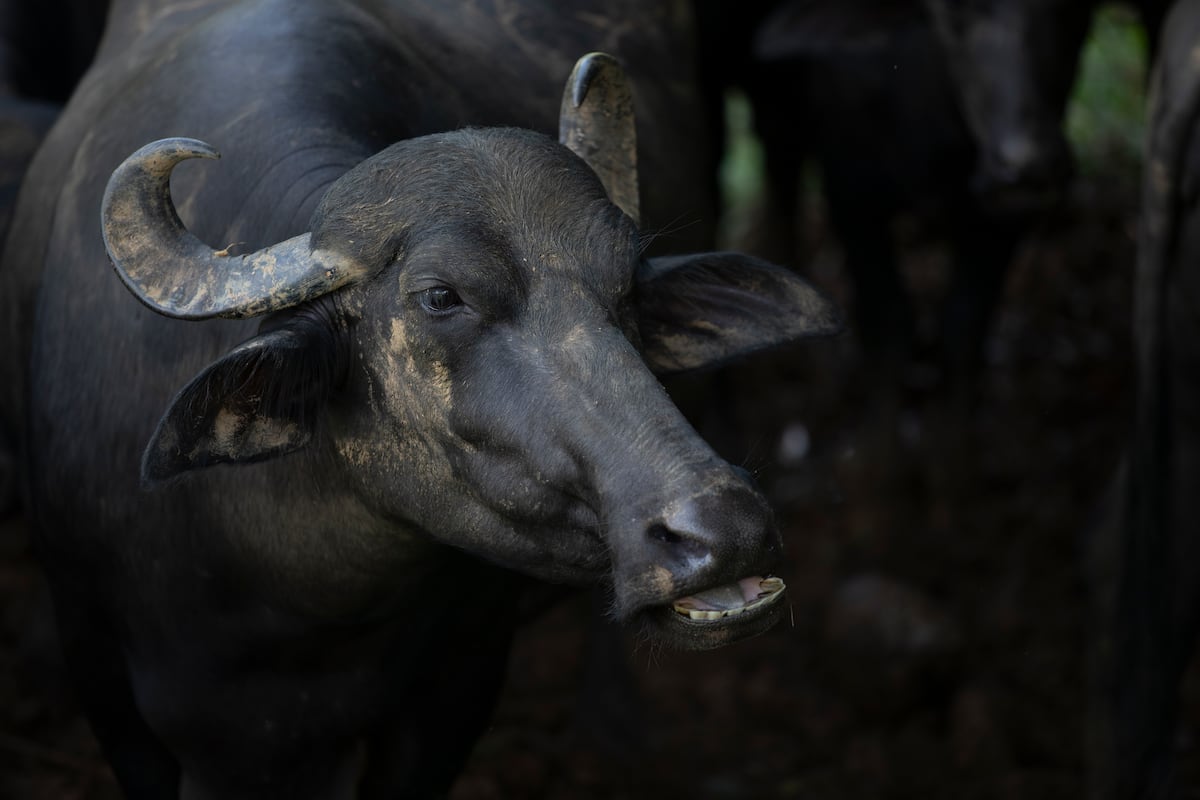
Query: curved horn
[[597, 123], [176, 274]]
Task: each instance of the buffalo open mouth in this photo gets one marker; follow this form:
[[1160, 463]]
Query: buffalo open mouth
[[730, 600], [721, 615]]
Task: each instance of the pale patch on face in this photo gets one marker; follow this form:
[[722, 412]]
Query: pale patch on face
[[355, 452], [440, 383], [660, 582], [404, 380], [398, 340], [409, 404], [400, 369]]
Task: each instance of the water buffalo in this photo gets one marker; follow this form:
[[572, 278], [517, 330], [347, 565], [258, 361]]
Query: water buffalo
[[1150, 612], [287, 487], [1015, 113], [1146, 609], [885, 130], [1014, 64]]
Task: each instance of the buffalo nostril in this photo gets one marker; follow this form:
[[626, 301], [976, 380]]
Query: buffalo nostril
[[679, 545], [661, 533]]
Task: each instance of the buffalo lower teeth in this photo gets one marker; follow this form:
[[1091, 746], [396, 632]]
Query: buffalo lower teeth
[[775, 586], [770, 585]]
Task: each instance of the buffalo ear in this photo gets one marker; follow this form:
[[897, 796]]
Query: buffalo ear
[[807, 28], [258, 401], [702, 310]]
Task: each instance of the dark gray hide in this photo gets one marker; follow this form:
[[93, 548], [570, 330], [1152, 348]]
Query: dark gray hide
[[1149, 627], [44, 49], [471, 407]]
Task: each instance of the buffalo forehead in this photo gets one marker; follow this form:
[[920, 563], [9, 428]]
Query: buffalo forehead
[[504, 192]]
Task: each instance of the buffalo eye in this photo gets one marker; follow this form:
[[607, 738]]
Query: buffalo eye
[[439, 300]]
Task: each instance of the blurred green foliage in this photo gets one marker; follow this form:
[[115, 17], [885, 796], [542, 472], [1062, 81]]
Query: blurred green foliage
[[1106, 116], [741, 171]]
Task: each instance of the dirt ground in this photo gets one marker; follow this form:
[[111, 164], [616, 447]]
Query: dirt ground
[[935, 645]]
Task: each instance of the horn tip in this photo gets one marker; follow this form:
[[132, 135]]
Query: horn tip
[[175, 149], [587, 69]]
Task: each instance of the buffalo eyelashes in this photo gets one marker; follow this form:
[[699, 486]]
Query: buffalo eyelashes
[[440, 300]]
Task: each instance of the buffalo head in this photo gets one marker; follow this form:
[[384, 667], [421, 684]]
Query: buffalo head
[[470, 332], [1013, 64]]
